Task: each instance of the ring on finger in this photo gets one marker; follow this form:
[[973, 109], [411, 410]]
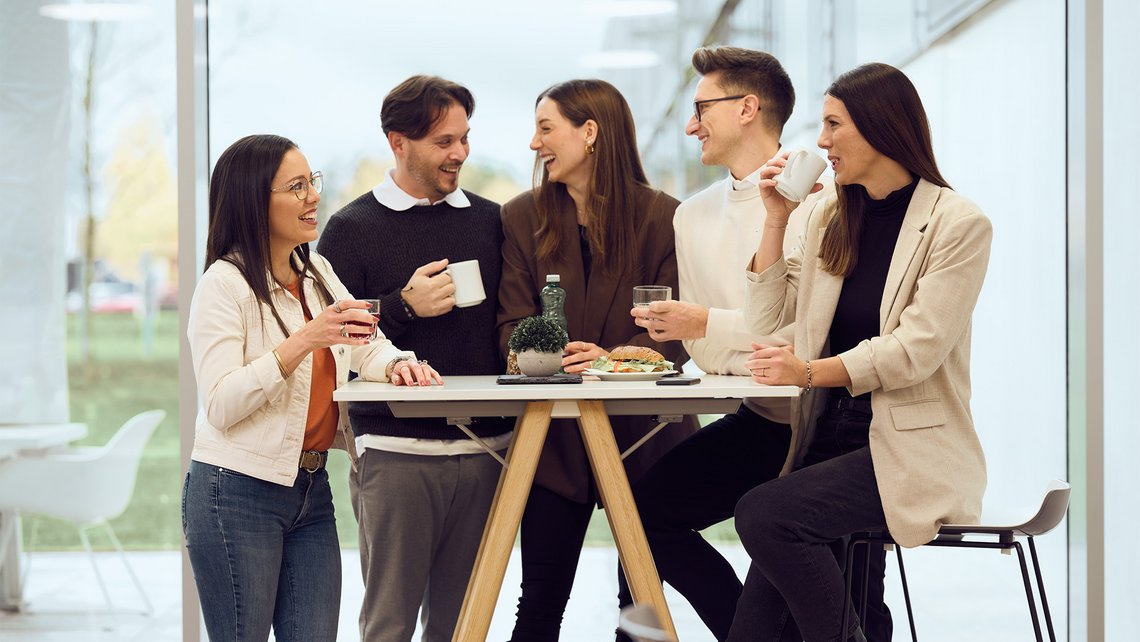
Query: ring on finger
[[336, 306], [343, 330]]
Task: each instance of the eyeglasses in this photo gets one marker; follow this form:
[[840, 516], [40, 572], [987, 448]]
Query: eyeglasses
[[698, 104], [300, 187]]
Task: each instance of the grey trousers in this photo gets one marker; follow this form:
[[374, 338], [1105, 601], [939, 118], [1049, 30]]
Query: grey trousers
[[421, 518]]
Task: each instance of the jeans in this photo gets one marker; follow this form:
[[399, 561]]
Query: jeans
[[692, 487], [263, 555], [790, 526]]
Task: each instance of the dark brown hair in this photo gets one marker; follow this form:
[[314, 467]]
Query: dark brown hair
[[612, 191], [751, 72], [239, 217], [886, 109], [418, 103]]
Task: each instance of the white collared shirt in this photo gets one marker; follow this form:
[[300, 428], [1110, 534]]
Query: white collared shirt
[[752, 181], [392, 196]]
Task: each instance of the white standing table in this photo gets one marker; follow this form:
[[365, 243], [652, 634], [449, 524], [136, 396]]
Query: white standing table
[[18, 440], [590, 403]]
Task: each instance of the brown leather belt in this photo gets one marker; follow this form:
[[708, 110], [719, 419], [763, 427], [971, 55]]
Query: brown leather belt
[[313, 460]]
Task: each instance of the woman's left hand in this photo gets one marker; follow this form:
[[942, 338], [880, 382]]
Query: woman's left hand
[[776, 366], [414, 373], [580, 354]]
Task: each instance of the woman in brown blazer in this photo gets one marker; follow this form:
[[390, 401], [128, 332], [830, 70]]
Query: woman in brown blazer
[[884, 283], [594, 220]]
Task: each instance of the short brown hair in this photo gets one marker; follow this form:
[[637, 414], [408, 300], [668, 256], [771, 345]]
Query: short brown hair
[[751, 72], [418, 103]]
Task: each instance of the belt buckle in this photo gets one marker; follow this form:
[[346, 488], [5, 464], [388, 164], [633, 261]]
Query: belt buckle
[[314, 461]]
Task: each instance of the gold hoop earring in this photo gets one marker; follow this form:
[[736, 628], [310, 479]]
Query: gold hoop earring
[[590, 147]]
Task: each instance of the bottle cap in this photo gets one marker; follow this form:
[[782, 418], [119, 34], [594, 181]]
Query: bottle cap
[[552, 278]]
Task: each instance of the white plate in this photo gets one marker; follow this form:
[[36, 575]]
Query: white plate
[[628, 376]]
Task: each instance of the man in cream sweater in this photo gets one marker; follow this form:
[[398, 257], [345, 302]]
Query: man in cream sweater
[[741, 104]]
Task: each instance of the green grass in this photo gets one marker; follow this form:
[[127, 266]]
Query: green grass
[[121, 382]]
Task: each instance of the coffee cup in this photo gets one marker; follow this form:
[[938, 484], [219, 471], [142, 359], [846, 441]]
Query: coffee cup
[[800, 174], [468, 283]]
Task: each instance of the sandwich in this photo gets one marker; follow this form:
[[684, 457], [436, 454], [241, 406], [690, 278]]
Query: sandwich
[[632, 359]]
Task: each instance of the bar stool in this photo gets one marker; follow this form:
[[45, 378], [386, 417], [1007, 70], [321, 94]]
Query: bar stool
[[1004, 538]]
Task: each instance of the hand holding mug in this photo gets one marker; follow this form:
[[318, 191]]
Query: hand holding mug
[[430, 292], [786, 180]]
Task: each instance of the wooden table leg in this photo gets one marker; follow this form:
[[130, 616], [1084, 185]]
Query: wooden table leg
[[503, 523], [613, 488]]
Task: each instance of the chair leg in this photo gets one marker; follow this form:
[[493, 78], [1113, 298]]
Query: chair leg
[[906, 594], [866, 580], [149, 609], [1041, 590], [1028, 590], [847, 576], [98, 576]]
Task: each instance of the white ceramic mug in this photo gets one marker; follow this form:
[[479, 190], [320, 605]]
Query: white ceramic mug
[[799, 175], [468, 283]]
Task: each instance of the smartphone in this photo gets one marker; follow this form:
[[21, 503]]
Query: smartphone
[[678, 381]]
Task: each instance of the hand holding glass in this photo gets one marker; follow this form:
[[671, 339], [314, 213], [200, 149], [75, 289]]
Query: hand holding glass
[[357, 330], [643, 295]]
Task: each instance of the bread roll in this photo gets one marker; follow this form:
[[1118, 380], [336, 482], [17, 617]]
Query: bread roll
[[641, 353]]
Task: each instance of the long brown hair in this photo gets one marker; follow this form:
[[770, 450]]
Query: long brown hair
[[612, 191], [239, 217], [885, 108]]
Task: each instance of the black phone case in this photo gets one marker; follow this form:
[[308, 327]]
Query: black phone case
[[679, 381]]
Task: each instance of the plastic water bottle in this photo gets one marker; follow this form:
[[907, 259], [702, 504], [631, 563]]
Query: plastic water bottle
[[554, 301]]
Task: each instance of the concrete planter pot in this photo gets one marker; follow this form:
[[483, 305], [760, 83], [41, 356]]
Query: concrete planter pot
[[539, 364]]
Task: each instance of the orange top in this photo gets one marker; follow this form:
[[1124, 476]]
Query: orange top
[[320, 427]]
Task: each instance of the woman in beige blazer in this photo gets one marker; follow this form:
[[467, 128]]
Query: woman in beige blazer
[[594, 220], [884, 284]]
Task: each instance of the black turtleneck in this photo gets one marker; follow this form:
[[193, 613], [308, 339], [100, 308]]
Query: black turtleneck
[[857, 313]]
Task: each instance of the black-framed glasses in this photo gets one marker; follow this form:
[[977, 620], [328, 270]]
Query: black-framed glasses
[[698, 110], [299, 186]]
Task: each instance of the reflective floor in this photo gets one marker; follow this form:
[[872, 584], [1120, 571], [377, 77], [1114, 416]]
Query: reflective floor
[[64, 602]]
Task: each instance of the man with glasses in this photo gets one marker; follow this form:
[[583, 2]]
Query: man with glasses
[[741, 104], [422, 490]]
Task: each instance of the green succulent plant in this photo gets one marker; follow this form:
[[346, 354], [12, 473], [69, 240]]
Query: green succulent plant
[[538, 333]]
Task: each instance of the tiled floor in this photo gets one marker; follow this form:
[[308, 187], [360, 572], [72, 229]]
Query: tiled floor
[[972, 595]]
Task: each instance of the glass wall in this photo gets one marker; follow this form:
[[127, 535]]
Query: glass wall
[[1121, 311], [90, 322]]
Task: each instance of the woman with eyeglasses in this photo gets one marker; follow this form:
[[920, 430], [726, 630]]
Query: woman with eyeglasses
[[594, 220], [269, 333], [882, 291]]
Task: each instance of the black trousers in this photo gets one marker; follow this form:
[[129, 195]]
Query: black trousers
[[553, 529], [695, 485], [795, 530]]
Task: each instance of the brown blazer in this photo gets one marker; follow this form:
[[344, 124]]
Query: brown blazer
[[597, 312], [928, 460]]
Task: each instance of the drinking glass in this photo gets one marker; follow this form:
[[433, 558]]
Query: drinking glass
[[643, 295], [374, 310]]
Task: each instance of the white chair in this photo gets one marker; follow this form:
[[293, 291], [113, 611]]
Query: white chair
[[639, 621], [1053, 508], [86, 485]]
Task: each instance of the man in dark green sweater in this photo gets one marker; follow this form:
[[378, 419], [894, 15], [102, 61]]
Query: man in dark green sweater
[[422, 490]]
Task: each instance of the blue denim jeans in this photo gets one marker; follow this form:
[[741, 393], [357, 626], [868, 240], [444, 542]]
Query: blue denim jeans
[[263, 554]]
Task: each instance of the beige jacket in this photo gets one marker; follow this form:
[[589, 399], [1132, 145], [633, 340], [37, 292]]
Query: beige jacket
[[928, 460], [250, 419]]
